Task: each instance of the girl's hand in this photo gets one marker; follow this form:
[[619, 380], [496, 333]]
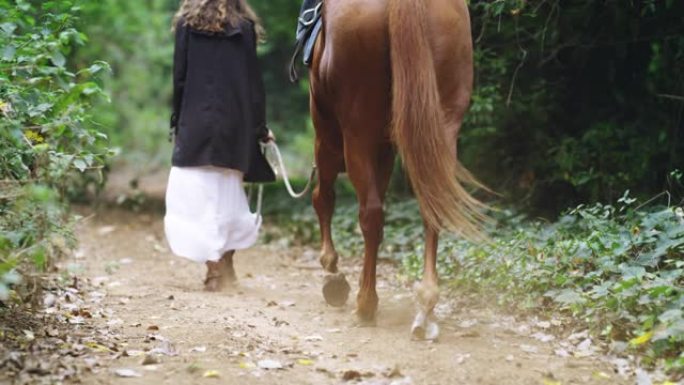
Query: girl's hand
[[270, 137]]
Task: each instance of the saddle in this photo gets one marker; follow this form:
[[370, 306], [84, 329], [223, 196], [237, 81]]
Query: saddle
[[309, 26]]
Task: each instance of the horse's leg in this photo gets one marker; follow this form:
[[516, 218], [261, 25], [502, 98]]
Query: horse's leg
[[427, 291], [330, 162], [369, 167]]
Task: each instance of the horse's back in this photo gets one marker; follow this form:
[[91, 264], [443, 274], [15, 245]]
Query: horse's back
[[352, 63], [354, 50]]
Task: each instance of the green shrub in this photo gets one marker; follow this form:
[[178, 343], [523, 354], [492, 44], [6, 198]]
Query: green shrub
[[47, 140]]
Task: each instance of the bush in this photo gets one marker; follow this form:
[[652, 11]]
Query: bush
[[618, 270], [47, 140], [575, 101]]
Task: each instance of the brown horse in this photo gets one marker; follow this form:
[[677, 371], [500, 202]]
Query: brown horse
[[393, 75]]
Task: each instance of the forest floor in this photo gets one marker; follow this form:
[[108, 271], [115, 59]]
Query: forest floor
[[139, 315]]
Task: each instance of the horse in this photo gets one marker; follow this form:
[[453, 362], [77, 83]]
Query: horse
[[387, 77]]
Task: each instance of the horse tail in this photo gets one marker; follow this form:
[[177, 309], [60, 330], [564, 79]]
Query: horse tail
[[418, 127]]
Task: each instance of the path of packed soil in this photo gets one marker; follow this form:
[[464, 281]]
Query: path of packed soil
[[277, 317]]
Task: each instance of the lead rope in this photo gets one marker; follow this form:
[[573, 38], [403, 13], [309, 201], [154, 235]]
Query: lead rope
[[280, 166]]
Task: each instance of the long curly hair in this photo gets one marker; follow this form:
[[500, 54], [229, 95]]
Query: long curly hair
[[215, 15]]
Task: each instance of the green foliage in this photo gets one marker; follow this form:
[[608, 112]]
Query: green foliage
[[575, 101], [135, 38], [615, 268], [47, 143]]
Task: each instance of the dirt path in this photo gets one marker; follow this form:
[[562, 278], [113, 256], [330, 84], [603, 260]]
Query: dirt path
[[277, 317]]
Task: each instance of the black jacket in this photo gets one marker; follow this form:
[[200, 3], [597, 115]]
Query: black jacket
[[219, 111]]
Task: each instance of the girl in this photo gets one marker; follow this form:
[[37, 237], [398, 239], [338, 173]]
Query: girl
[[218, 120]]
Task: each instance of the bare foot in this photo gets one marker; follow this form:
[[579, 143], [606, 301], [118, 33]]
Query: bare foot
[[221, 273], [227, 269], [214, 279]]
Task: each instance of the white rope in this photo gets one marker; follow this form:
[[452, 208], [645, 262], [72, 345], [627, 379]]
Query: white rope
[[279, 167]]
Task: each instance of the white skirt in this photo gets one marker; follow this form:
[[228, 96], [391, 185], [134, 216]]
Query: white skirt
[[207, 213]]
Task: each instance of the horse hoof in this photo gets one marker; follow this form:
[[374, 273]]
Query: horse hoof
[[336, 290], [418, 327], [365, 323], [424, 328], [431, 331]]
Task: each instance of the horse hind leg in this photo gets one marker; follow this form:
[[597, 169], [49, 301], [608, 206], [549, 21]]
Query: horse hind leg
[[324, 204], [427, 291], [370, 171], [330, 162]]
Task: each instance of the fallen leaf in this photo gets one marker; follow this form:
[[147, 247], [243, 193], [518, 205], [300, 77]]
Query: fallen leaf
[[114, 322], [270, 364], [313, 338], [599, 375], [49, 300], [350, 375], [578, 336], [166, 348], [127, 373], [584, 348], [78, 320], [467, 324], [642, 377], [543, 337], [305, 362], [548, 381], [211, 374], [30, 336], [150, 359], [460, 358], [153, 328], [394, 372], [133, 353], [246, 365], [97, 347], [468, 334], [104, 230], [642, 339]]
